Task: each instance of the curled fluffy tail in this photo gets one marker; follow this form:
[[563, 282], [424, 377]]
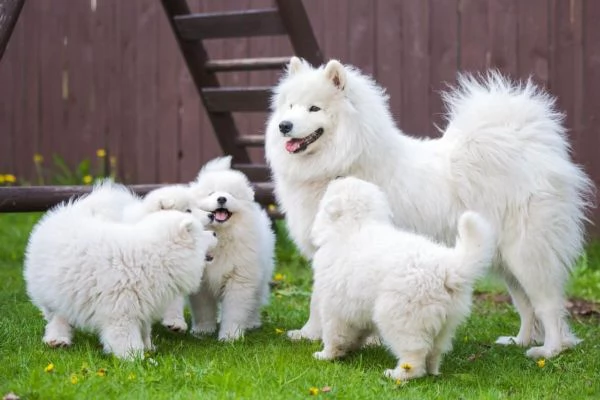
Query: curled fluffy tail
[[474, 251]]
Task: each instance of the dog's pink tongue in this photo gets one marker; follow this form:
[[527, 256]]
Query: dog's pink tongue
[[293, 145], [221, 215]]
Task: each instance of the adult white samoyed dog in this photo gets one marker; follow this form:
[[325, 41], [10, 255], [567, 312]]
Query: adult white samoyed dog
[[373, 277], [503, 154]]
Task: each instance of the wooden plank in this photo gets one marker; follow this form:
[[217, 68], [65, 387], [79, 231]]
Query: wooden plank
[[239, 99], [168, 129], [232, 24], [502, 18], [590, 139], [195, 56], [443, 61], [27, 117], [361, 35], [247, 64], [255, 172], [566, 64], [129, 88], [41, 198], [251, 140], [146, 106], [473, 31], [415, 67], [533, 45], [300, 32], [9, 14], [335, 42], [389, 43]]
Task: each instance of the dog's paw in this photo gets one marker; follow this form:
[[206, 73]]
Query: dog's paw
[[511, 341], [323, 355], [538, 352], [402, 374], [203, 329], [230, 333], [373, 340], [177, 325], [56, 342], [300, 334]]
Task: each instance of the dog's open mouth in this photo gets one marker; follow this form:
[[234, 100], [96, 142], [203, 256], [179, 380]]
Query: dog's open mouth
[[295, 146], [222, 215]]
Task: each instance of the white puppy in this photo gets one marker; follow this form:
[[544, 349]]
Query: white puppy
[[238, 277], [111, 277], [372, 277], [504, 154]]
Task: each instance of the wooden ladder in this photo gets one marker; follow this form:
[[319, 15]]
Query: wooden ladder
[[288, 17]]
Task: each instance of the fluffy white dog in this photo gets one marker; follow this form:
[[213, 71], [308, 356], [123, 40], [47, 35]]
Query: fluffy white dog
[[504, 154], [238, 277], [111, 277], [372, 277]]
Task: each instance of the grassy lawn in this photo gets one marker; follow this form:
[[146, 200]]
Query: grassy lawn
[[265, 365]]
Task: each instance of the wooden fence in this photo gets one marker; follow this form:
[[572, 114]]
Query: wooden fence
[[80, 75]]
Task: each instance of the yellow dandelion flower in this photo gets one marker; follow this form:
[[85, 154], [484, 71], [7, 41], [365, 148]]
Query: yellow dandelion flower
[[131, 376], [38, 158], [74, 379], [49, 368], [279, 331], [9, 178], [1, 179], [541, 363], [272, 208], [406, 366], [101, 372], [313, 391], [101, 153], [398, 381], [87, 179], [279, 277]]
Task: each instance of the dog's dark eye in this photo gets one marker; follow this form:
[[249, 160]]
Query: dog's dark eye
[[188, 210], [314, 109]]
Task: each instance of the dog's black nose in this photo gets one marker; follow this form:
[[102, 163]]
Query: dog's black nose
[[285, 127], [211, 217], [221, 200], [215, 234]]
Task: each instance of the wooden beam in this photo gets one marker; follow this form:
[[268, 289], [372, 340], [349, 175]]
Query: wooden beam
[[301, 34], [41, 198], [255, 172], [251, 140], [247, 64], [9, 14], [233, 24], [196, 57], [236, 99]]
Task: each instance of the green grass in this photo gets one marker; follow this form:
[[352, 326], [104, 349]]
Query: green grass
[[265, 365]]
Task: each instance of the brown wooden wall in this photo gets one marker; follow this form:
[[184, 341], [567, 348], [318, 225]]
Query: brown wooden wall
[[79, 75]]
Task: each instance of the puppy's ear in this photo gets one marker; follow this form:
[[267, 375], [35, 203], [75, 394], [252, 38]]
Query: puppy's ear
[[186, 226], [216, 164], [296, 65], [336, 74], [333, 209], [166, 204]]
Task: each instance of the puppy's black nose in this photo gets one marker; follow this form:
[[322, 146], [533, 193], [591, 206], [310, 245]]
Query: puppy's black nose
[[211, 217], [285, 127], [215, 234], [221, 200]]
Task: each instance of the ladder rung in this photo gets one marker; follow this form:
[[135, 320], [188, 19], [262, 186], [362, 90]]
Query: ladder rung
[[255, 172], [246, 64], [259, 22], [240, 99], [251, 140]]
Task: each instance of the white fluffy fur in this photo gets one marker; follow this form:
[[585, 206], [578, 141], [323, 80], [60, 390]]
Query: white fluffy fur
[[372, 277], [238, 277], [503, 154], [111, 277]]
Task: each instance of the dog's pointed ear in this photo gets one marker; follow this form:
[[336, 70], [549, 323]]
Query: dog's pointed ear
[[216, 164], [166, 204], [336, 74], [296, 65], [186, 226]]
